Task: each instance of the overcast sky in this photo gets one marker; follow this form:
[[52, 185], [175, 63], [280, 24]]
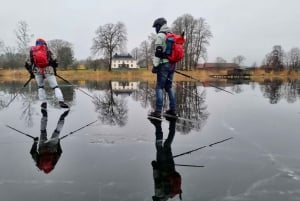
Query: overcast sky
[[239, 27]]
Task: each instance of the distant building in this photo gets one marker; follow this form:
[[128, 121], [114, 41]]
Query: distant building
[[124, 62], [124, 87], [218, 66]]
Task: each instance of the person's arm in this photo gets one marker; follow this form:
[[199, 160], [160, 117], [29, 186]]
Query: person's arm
[[33, 150], [59, 149], [53, 60], [159, 48], [28, 64]]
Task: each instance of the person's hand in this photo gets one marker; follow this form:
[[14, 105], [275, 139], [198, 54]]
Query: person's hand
[[54, 70], [32, 76], [54, 64], [27, 66], [154, 69], [36, 139]]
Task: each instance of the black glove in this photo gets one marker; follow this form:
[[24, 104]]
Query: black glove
[[36, 139], [32, 75], [54, 64], [27, 66], [154, 69], [54, 69], [154, 164]]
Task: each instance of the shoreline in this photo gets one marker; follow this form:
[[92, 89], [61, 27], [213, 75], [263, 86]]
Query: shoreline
[[145, 75]]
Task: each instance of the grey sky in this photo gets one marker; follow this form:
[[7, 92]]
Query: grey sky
[[239, 27]]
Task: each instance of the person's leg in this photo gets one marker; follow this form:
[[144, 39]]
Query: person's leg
[[171, 94], [43, 135], [171, 135], [41, 84], [160, 85], [60, 124], [58, 94], [53, 84]]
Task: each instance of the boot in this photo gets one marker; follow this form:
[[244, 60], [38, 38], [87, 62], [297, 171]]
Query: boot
[[63, 104]]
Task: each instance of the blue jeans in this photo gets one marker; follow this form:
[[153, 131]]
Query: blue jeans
[[164, 81]]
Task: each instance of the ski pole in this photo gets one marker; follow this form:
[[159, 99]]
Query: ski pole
[[27, 82], [220, 142], [201, 82], [72, 132], [185, 165], [74, 86], [20, 131], [193, 150], [188, 152]]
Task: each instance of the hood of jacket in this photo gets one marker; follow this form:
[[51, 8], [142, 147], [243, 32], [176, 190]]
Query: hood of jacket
[[164, 28]]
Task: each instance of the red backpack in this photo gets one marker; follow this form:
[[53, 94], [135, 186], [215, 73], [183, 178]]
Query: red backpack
[[40, 56], [175, 181], [174, 47]]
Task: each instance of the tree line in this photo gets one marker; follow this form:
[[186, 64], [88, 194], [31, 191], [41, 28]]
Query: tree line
[[112, 38], [14, 57], [279, 59]]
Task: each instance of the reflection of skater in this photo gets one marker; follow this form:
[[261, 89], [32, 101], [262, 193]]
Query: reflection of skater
[[46, 152], [167, 181]]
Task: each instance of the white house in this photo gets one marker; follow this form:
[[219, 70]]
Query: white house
[[124, 62], [124, 87]]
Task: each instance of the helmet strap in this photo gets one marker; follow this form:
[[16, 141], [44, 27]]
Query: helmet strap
[[157, 28]]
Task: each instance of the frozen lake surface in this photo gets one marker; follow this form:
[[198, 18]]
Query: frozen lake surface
[[110, 159]]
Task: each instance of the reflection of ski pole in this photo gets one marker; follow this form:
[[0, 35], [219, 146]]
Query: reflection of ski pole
[[26, 83], [74, 86], [20, 131], [188, 152], [189, 165], [201, 82], [72, 132], [220, 142]]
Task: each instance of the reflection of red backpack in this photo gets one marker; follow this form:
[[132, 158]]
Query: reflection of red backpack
[[174, 47], [46, 162], [175, 181], [40, 56]]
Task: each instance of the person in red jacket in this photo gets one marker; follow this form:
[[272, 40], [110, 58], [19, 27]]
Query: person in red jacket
[[41, 65]]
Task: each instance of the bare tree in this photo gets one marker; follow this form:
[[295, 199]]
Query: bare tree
[[293, 58], [12, 59], [220, 60], [197, 34], [111, 110], [185, 23], [135, 53], [239, 60], [109, 39], [145, 55], [57, 44], [274, 59], [1, 46], [151, 39], [267, 60], [202, 35], [63, 50], [254, 65], [23, 37]]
